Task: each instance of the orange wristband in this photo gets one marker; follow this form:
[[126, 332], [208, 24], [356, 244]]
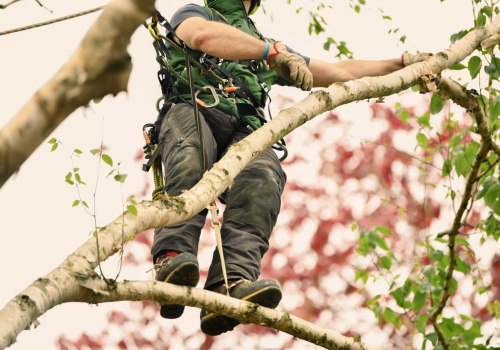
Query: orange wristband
[[275, 49]]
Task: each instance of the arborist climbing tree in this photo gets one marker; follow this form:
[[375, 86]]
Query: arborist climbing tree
[[216, 73]]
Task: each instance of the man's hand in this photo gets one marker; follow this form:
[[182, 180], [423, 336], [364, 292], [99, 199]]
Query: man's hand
[[409, 58], [291, 66]]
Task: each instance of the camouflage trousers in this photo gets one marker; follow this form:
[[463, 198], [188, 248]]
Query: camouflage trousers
[[252, 203]]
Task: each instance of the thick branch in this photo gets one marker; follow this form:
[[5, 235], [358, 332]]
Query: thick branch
[[83, 261], [490, 42], [245, 312], [100, 66]]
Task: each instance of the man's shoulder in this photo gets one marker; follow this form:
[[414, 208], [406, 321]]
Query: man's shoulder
[[187, 11]]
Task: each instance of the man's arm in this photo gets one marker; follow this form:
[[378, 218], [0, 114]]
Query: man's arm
[[326, 73], [223, 41], [220, 40]]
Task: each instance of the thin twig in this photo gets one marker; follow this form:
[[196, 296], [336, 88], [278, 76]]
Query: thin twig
[[8, 4], [43, 6], [406, 154], [60, 19]]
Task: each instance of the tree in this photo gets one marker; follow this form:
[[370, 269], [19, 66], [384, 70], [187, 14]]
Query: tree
[[84, 285]]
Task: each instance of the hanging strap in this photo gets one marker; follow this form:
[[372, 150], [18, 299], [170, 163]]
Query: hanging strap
[[214, 211]]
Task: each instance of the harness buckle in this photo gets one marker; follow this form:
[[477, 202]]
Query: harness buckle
[[214, 94]]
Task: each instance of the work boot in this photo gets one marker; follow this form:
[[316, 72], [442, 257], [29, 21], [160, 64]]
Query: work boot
[[180, 269], [264, 292]]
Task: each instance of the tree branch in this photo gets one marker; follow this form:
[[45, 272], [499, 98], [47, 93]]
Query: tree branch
[[461, 96], [164, 293], [100, 66], [60, 19], [470, 102], [490, 42]]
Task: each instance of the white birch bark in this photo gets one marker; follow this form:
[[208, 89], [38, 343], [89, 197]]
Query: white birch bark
[[100, 66], [66, 281]]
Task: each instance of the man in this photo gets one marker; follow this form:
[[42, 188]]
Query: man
[[223, 30]]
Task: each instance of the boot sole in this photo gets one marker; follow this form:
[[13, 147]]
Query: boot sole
[[213, 324], [185, 274]]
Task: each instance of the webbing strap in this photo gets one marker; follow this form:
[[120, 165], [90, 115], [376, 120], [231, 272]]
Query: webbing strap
[[214, 211]]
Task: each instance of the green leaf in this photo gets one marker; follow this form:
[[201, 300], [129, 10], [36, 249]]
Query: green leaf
[[403, 39], [68, 178], [492, 227], [107, 159], [357, 9], [376, 240], [361, 274], [77, 151], [54, 147], [492, 198], [425, 119], [487, 11], [328, 43], [474, 66], [132, 209], [76, 202], [462, 241], [79, 179], [495, 109], [491, 69], [391, 317], [85, 204], [385, 262], [422, 323], [458, 36], [419, 300], [52, 140], [446, 168], [462, 166], [120, 177], [384, 230], [457, 66], [462, 266], [437, 103], [480, 20], [422, 140], [95, 151]]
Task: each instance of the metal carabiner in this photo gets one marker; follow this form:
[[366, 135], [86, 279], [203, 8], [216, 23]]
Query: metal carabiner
[[214, 94], [154, 31]]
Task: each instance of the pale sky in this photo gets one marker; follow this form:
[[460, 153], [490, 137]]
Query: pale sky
[[39, 226]]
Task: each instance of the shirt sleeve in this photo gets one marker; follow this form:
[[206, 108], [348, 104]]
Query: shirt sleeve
[[187, 11], [306, 58]]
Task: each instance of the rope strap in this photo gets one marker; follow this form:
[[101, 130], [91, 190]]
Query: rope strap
[[214, 211]]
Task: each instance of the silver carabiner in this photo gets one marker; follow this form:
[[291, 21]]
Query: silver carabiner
[[211, 89]]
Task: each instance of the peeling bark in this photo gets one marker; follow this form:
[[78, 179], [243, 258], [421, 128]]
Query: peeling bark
[[100, 66], [243, 311], [74, 278]]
